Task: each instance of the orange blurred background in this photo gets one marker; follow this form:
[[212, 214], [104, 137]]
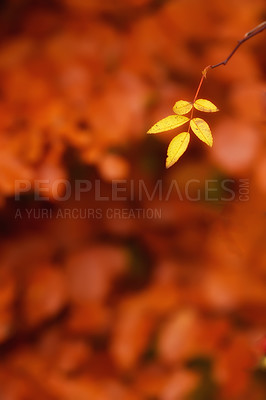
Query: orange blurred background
[[119, 279]]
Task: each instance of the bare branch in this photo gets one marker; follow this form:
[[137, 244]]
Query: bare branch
[[248, 35]]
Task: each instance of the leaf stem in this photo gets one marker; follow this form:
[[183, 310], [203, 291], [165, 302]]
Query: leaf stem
[[198, 89], [195, 98]]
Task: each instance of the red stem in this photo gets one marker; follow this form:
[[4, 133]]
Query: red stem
[[197, 92]]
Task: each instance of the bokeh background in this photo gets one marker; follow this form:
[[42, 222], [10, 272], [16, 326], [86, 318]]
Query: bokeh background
[[168, 307]]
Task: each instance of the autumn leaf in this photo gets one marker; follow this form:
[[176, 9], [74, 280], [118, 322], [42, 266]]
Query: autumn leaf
[[176, 148], [205, 106], [168, 123], [182, 107], [201, 130]]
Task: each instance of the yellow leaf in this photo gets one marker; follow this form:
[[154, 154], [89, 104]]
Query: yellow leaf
[[182, 107], [171, 122], [205, 105], [202, 130], [176, 148]]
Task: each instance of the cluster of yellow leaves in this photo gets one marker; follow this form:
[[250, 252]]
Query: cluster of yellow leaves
[[179, 144]]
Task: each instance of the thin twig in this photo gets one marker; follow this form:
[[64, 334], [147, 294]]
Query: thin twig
[[247, 36], [258, 29]]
